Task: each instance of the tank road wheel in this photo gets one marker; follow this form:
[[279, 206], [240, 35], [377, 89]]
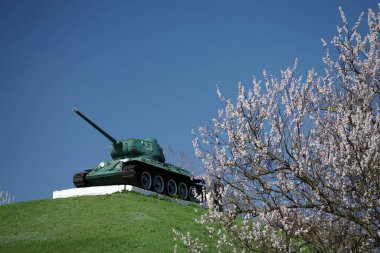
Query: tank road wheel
[[182, 191], [146, 180], [193, 193], [172, 187], [158, 184]]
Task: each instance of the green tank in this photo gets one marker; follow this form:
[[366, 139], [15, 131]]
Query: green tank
[[141, 163]]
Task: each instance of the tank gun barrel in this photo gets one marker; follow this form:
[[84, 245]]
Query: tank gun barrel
[[109, 137]]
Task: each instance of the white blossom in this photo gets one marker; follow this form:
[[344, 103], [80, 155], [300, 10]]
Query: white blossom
[[294, 162], [5, 198]]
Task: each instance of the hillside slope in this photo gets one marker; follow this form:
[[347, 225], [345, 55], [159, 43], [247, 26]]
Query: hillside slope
[[123, 222]]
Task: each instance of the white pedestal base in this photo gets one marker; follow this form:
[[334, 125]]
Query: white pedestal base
[[104, 190]]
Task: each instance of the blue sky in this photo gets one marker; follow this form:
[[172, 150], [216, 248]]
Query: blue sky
[[138, 69]]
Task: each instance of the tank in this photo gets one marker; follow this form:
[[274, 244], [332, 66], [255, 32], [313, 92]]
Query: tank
[[141, 163]]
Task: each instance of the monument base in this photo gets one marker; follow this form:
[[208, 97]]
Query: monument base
[[104, 190]]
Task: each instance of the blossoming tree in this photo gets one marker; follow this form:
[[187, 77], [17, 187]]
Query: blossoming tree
[[5, 198], [294, 162]]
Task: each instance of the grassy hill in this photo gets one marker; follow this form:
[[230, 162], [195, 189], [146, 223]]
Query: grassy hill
[[122, 222]]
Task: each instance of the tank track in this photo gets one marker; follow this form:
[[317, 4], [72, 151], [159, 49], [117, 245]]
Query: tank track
[[181, 188]]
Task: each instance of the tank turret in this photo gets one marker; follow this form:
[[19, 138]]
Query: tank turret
[[141, 163], [131, 148]]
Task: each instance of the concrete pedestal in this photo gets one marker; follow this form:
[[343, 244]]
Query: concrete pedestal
[[104, 190]]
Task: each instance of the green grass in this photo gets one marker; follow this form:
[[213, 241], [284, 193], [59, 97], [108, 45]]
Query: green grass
[[124, 222]]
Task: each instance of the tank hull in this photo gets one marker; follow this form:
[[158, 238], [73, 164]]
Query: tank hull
[[148, 174]]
